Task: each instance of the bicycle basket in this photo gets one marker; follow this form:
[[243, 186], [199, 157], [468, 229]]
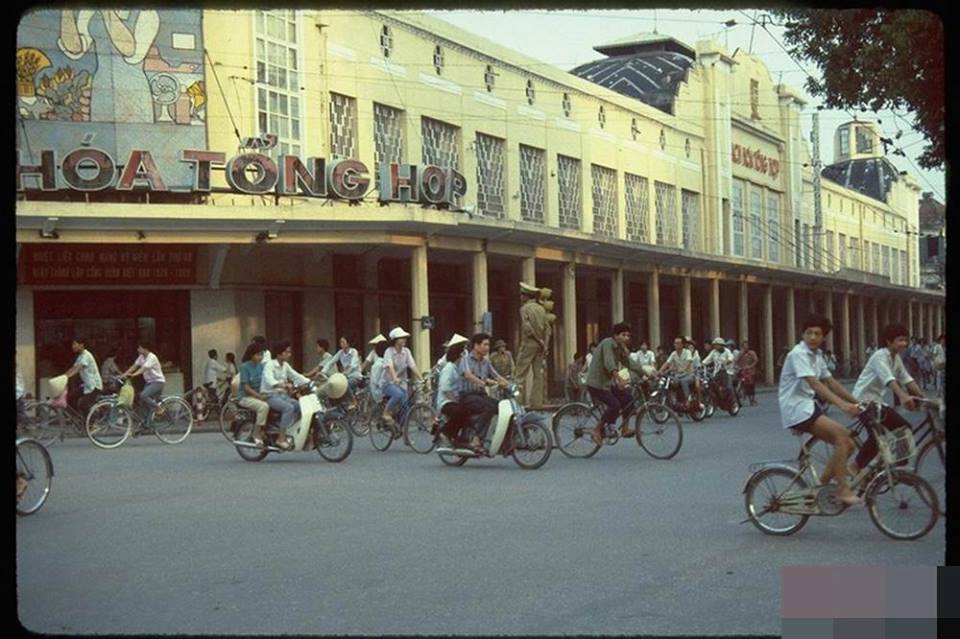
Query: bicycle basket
[[897, 445]]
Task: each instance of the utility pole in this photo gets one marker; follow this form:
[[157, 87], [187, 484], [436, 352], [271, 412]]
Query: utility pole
[[817, 209]]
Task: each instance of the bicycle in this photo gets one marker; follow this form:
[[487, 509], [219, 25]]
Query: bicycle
[[109, 423], [780, 496], [661, 436], [48, 421], [34, 475], [205, 402], [414, 421], [931, 438]]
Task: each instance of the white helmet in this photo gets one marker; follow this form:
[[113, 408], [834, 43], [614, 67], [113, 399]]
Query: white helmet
[[718, 341], [335, 387]]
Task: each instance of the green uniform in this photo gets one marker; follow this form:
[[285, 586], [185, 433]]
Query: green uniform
[[533, 350]]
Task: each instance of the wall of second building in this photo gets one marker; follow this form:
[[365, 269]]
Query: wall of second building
[[26, 342]]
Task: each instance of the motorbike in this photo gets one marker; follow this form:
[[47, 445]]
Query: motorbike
[[321, 427], [513, 431], [718, 396], [669, 392]]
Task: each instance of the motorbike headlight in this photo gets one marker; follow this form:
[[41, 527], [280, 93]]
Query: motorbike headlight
[[515, 392]]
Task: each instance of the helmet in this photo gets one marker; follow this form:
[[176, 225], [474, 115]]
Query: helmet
[[335, 387], [718, 341]]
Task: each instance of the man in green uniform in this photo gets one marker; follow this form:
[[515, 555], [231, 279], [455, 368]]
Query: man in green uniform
[[533, 345]]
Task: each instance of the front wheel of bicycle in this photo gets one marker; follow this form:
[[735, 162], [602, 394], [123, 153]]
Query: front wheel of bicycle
[[227, 414], [902, 504], [764, 498], [108, 424], [572, 425], [660, 439], [380, 435], [418, 428], [932, 466], [173, 420], [199, 403], [34, 476]]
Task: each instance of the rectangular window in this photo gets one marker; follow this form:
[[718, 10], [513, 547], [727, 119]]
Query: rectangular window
[[757, 230], [490, 176], [864, 140], [855, 253], [807, 248], [690, 209], [736, 218], [894, 267], [773, 226], [886, 262], [842, 248], [844, 148], [866, 257], [343, 126], [570, 192], [533, 179], [441, 143], [278, 82], [797, 244], [604, 200], [904, 271], [876, 258], [388, 137], [638, 207], [666, 211]]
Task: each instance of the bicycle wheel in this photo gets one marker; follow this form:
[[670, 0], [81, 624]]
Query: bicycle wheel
[[902, 504], [661, 440], [531, 445], [108, 424], [734, 409], [245, 430], [709, 405], [199, 404], [35, 468], [333, 438], [43, 425], [699, 415], [931, 465], [227, 415], [418, 428], [381, 435], [362, 414], [659, 411], [572, 425], [173, 420], [763, 499]]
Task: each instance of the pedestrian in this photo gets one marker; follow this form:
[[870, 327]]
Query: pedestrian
[[91, 384], [502, 359], [571, 383], [747, 363], [533, 345]]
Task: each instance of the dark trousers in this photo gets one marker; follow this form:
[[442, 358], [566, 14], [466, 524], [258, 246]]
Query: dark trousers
[[477, 403], [84, 402], [457, 416], [890, 419], [615, 398]]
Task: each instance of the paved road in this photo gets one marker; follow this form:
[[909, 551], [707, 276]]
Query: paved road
[[187, 539]]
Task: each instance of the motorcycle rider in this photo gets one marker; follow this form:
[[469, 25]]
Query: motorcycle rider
[[449, 388], [478, 373], [605, 384], [251, 377], [681, 363], [721, 360], [278, 382]]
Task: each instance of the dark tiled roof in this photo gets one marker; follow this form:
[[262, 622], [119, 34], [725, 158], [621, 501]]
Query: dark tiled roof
[[651, 77], [871, 176]]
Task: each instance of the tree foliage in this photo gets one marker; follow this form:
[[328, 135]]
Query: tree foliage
[[876, 59]]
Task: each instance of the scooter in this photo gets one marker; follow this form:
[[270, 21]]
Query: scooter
[[322, 428], [515, 432], [721, 397]]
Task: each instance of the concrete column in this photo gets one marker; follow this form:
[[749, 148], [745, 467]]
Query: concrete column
[[653, 309], [528, 270], [938, 322], [685, 307], [931, 310], [479, 272], [874, 323], [828, 311], [845, 327], [768, 334], [715, 306], [371, 301], [909, 317], [419, 307], [743, 322], [861, 331], [920, 324], [569, 278], [616, 296], [792, 336]]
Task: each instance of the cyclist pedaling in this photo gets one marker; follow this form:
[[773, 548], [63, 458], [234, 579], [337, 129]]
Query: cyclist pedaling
[[605, 383]]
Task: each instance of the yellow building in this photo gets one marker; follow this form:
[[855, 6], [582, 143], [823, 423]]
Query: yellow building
[[664, 185]]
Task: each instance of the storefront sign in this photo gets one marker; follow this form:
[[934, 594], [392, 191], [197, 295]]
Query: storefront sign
[[92, 169], [90, 264], [756, 160]]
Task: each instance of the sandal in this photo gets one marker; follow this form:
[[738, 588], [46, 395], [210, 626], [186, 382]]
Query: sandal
[[283, 444], [597, 436]]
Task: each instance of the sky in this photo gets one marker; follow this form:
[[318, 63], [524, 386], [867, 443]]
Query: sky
[[565, 39]]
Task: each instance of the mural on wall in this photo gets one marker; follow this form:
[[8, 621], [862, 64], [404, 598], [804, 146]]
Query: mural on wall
[[131, 78]]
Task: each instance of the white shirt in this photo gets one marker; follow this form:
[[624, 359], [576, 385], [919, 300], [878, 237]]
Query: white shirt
[[639, 358], [795, 394], [882, 368], [212, 370], [350, 362], [696, 358], [275, 373], [377, 373], [21, 388], [151, 369], [89, 373], [327, 364], [372, 357], [681, 363], [719, 359]]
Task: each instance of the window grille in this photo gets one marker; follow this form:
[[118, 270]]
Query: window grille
[[533, 177], [570, 190], [604, 201], [666, 211], [490, 186], [690, 209], [278, 82], [736, 219], [757, 230], [441, 143], [886, 262], [773, 226], [638, 207], [386, 41], [388, 136], [343, 126]]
